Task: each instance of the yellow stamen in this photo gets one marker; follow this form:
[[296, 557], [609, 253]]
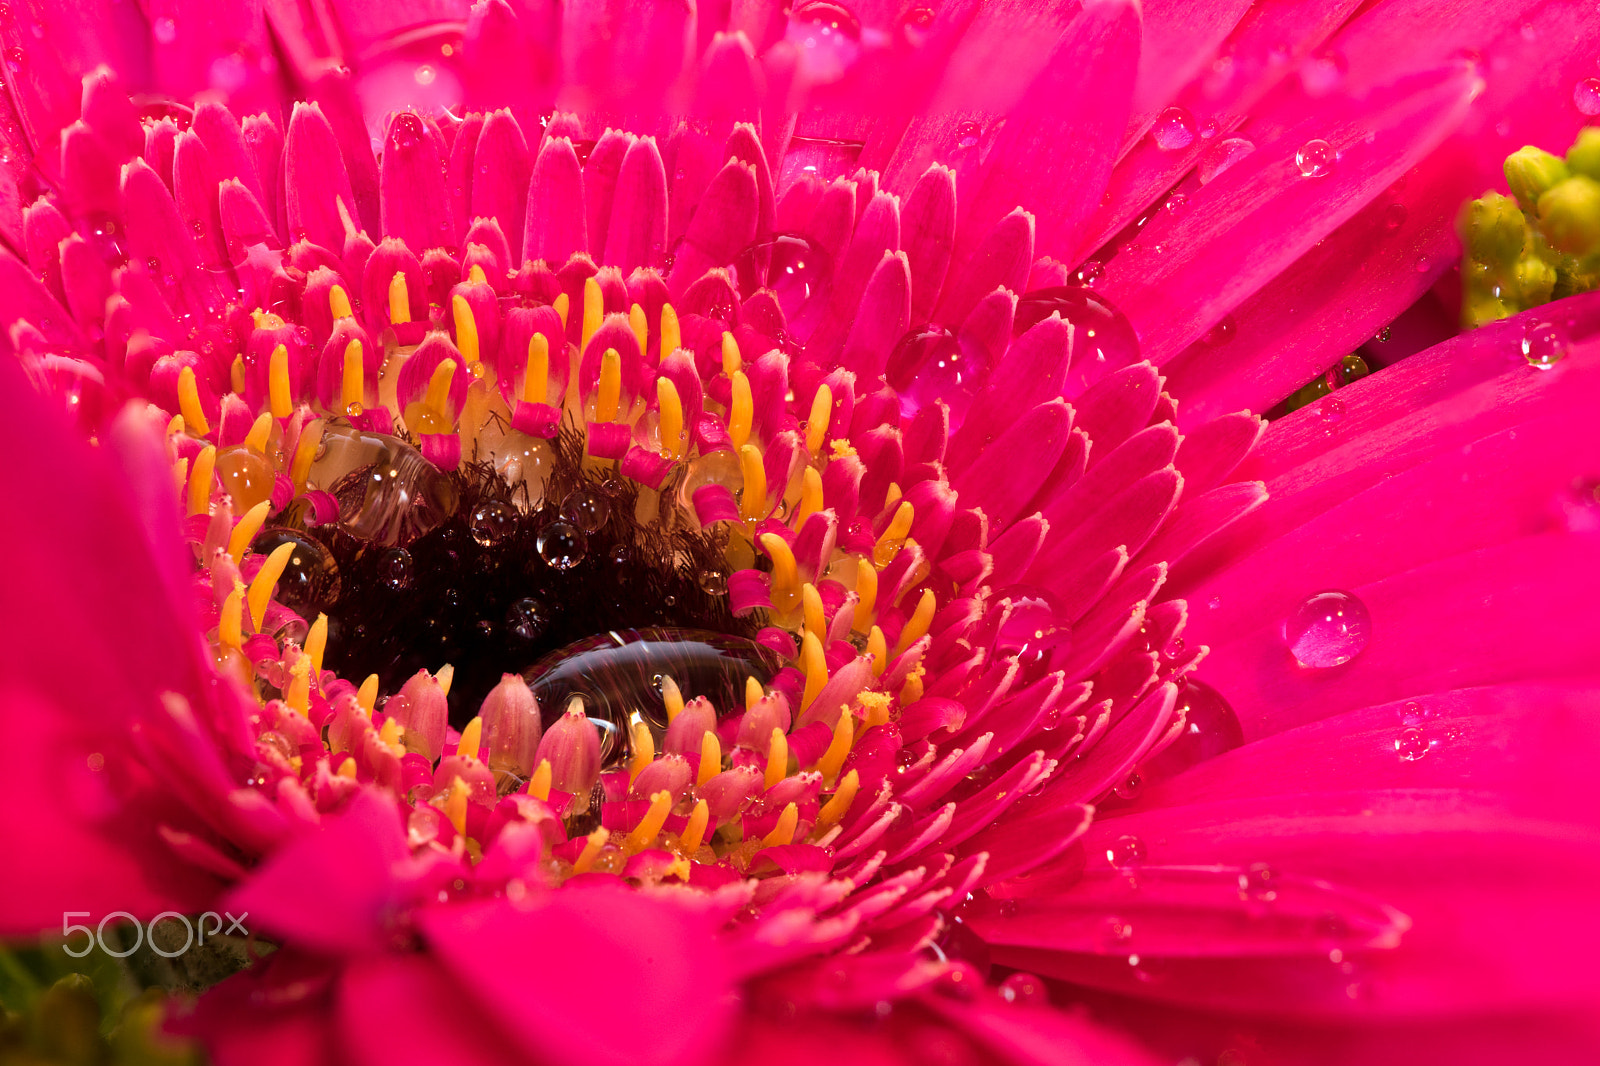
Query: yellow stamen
[[671, 414], [672, 696], [175, 426], [753, 500], [811, 605], [783, 832], [911, 691], [180, 473], [810, 495], [189, 403], [894, 537], [260, 434], [917, 625], [539, 781], [839, 805], [594, 310], [874, 708], [842, 449], [205, 465], [339, 302], [817, 424], [399, 299], [536, 383], [878, 648], [446, 674], [236, 375], [298, 695], [815, 665], [591, 850], [265, 580], [562, 305], [710, 757], [305, 453], [466, 328], [390, 735], [641, 328], [608, 393], [367, 694], [644, 750], [471, 738], [347, 768], [777, 757], [316, 644], [455, 805], [650, 825], [867, 591], [753, 692], [671, 333], [695, 831], [438, 397], [476, 275], [732, 361], [838, 748], [230, 625], [278, 396], [353, 386], [741, 408], [785, 571], [894, 494]]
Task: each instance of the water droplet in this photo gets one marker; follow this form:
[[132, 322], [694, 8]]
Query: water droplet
[[1322, 74], [425, 74], [1115, 934], [395, 569], [1586, 96], [713, 583], [527, 619], [1221, 333], [1130, 787], [561, 545], [1258, 884], [967, 134], [387, 492], [1412, 744], [1332, 410], [1125, 852], [405, 131], [586, 508], [1031, 632], [827, 39], [1102, 338], [1328, 629], [620, 555], [1173, 129], [1174, 648], [491, 523], [310, 579], [164, 29], [1315, 158], [247, 475], [1394, 216], [1025, 990], [797, 271], [1089, 272], [1223, 155], [1544, 344], [931, 364], [353, 409]]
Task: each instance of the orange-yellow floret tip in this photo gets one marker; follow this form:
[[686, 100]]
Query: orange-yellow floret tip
[[671, 332], [236, 375], [180, 474], [640, 327], [316, 646], [298, 694], [260, 434], [694, 832], [471, 738], [753, 498], [817, 423], [466, 328], [539, 780], [867, 593], [353, 381], [810, 495], [230, 623], [189, 403], [741, 409], [205, 466], [266, 580], [710, 757], [455, 805], [649, 826], [670, 406], [894, 537], [878, 648], [279, 398], [874, 708], [815, 666], [753, 692], [644, 749], [811, 609], [305, 453], [347, 769], [672, 697], [916, 626], [591, 850], [594, 310], [783, 832], [785, 571], [777, 757], [536, 381], [732, 361], [838, 749], [390, 734], [476, 275], [563, 305], [339, 302], [399, 299], [608, 392], [837, 807], [437, 399], [446, 674], [367, 694]]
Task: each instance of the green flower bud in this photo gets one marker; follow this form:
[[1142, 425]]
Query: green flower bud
[[1531, 172], [1584, 155], [1493, 230], [1536, 279], [1569, 215], [1480, 310]]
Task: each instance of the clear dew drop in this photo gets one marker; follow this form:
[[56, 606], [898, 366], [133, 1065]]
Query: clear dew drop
[[967, 134], [1125, 853], [1332, 409], [1115, 935], [713, 583], [1544, 344], [797, 272], [1412, 744], [1586, 96], [527, 619], [1173, 129], [561, 545], [1258, 884], [1315, 158], [1024, 990], [1224, 154], [586, 508], [394, 569], [1328, 629], [492, 523]]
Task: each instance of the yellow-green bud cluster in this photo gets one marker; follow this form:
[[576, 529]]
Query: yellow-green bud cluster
[[1542, 244], [1351, 368]]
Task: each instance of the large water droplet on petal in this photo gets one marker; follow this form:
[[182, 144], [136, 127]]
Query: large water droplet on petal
[[1173, 129], [1315, 158], [1025, 990], [827, 40], [1586, 96], [1328, 629], [561, 545], [1225, 154], [1125, 853], [797, 272], [931, 364], [492, 523], [1544, 344], [387, 492], [1102, 338], [1210, 728], [310, 580]]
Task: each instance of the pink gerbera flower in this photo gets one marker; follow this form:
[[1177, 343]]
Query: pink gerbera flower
[[705, 535]]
